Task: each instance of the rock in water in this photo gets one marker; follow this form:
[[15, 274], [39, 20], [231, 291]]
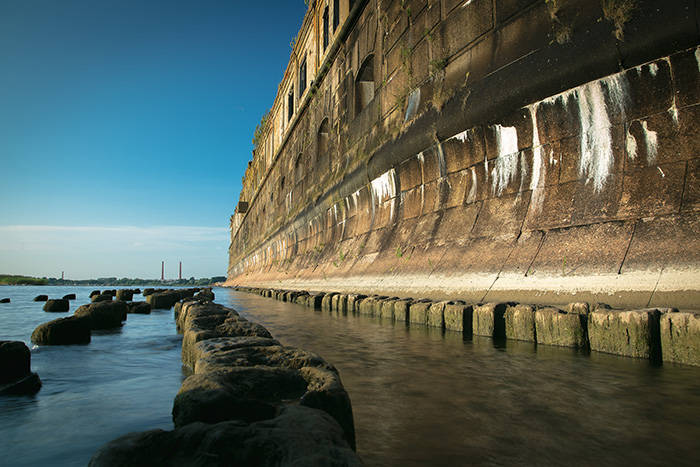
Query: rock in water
[[41, 298], [297, 435], [5, 300], [15, 369], [63, 331], [163, 300], [125, 295], [70, 296], [101, 298], [205, 294], [103, 315], [56, 305], [141, 308], [94, 292]]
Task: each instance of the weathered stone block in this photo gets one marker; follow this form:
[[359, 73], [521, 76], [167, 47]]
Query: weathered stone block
[[334, 302], [326, 302], [556, 327], [125, 295], [15, 369], [162, 300], [520, 323], [314, 301], [56, 305], [365, 306], [63, 331], [680, 338], [488, 320], [103, 315], [387, 311], [436, 317], [402, 310], [353, 301], [629, 333], [458, 317], [342, 307], [418, 313]]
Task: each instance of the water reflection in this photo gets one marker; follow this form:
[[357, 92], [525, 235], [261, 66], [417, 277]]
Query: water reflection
[[421, 397]]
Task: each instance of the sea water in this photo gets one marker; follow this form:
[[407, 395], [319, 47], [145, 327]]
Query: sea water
[[420, 396]]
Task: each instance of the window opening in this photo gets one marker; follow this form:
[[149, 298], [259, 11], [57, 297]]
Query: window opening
[[290, 104], [325, 28], [364, 85], [302, 77], [336, 14]]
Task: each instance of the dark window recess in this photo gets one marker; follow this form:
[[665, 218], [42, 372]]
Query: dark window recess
[[325, 28], [336, 14], [302, 77], [364, 85], [290, 105]]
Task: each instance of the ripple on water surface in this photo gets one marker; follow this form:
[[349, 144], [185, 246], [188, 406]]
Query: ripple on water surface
[[420, 397], [123, 381], [423, 397]]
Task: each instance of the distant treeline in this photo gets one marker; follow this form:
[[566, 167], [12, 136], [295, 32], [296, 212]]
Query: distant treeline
[[6, 279], [106, 281]]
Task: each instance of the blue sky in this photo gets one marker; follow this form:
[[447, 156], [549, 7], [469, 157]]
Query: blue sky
[[125, 129]]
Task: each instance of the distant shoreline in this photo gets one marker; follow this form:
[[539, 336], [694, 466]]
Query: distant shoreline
[[7, 279]]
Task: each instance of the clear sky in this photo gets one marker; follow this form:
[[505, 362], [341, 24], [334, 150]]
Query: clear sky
[[125, 129]]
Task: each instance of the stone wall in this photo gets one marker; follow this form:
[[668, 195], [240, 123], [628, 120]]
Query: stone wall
[[532, 151]]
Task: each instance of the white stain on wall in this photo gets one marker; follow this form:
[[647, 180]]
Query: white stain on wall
[[539, 167], [651, 142], [384, 188], [596, 159], [506, 164], [471, 197], [631, 145], [462, 137]]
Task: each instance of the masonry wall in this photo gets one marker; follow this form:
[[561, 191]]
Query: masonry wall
[[514, 150]]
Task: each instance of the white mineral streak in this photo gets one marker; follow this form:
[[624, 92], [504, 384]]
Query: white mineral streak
[[462, 137], [631, 145], [465, 4], [384, 188], [653, 69], [538, 164], [413, 103], [471, 197], [673, 110], [650, 139], [442, 165], [596, 139], [661, 171], [506, 165]]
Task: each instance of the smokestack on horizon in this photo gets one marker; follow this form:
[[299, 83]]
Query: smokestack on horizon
[[180, 275], [162, 270]]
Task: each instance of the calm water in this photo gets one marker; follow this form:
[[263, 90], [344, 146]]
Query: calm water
[[419, 397]]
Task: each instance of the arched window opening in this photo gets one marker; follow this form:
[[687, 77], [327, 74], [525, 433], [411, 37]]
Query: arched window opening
[[290, 104], [322, 145], [364, 85], [336, 14], [325, 28]]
